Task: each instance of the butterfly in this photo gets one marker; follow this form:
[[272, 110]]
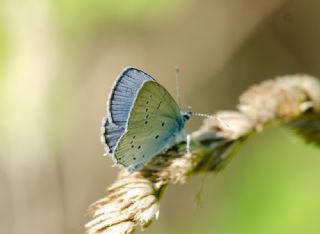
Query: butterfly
[[142, 120]]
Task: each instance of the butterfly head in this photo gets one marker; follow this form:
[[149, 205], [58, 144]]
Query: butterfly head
[[186, 115]]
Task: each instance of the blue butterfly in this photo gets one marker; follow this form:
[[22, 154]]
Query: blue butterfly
[[142, 120]]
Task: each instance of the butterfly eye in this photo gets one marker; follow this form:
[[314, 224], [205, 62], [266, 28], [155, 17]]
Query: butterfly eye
[[146, 122], [139, 147], [157, 136], [162, 124]]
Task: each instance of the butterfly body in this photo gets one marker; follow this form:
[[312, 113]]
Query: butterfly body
[[142, 120]]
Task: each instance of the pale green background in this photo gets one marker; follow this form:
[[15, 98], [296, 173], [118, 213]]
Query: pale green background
[[58, 60]]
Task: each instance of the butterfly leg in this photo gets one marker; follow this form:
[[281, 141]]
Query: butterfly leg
[[135, 167], [188, 140]]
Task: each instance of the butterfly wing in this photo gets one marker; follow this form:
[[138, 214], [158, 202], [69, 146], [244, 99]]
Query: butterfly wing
[[154, 122], [119, 104]]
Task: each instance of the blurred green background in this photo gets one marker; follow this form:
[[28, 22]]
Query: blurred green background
[[58, 60]]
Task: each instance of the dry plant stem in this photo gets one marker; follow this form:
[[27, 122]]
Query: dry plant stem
[[133, 199]]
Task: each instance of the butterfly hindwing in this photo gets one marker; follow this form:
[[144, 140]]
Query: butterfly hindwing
[[154, 122], [110, 134]]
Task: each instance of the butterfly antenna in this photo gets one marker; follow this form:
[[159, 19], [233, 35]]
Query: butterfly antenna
[[211, 116], [178, 85]]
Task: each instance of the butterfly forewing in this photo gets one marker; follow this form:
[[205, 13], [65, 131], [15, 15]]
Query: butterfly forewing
[[154, 122]]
